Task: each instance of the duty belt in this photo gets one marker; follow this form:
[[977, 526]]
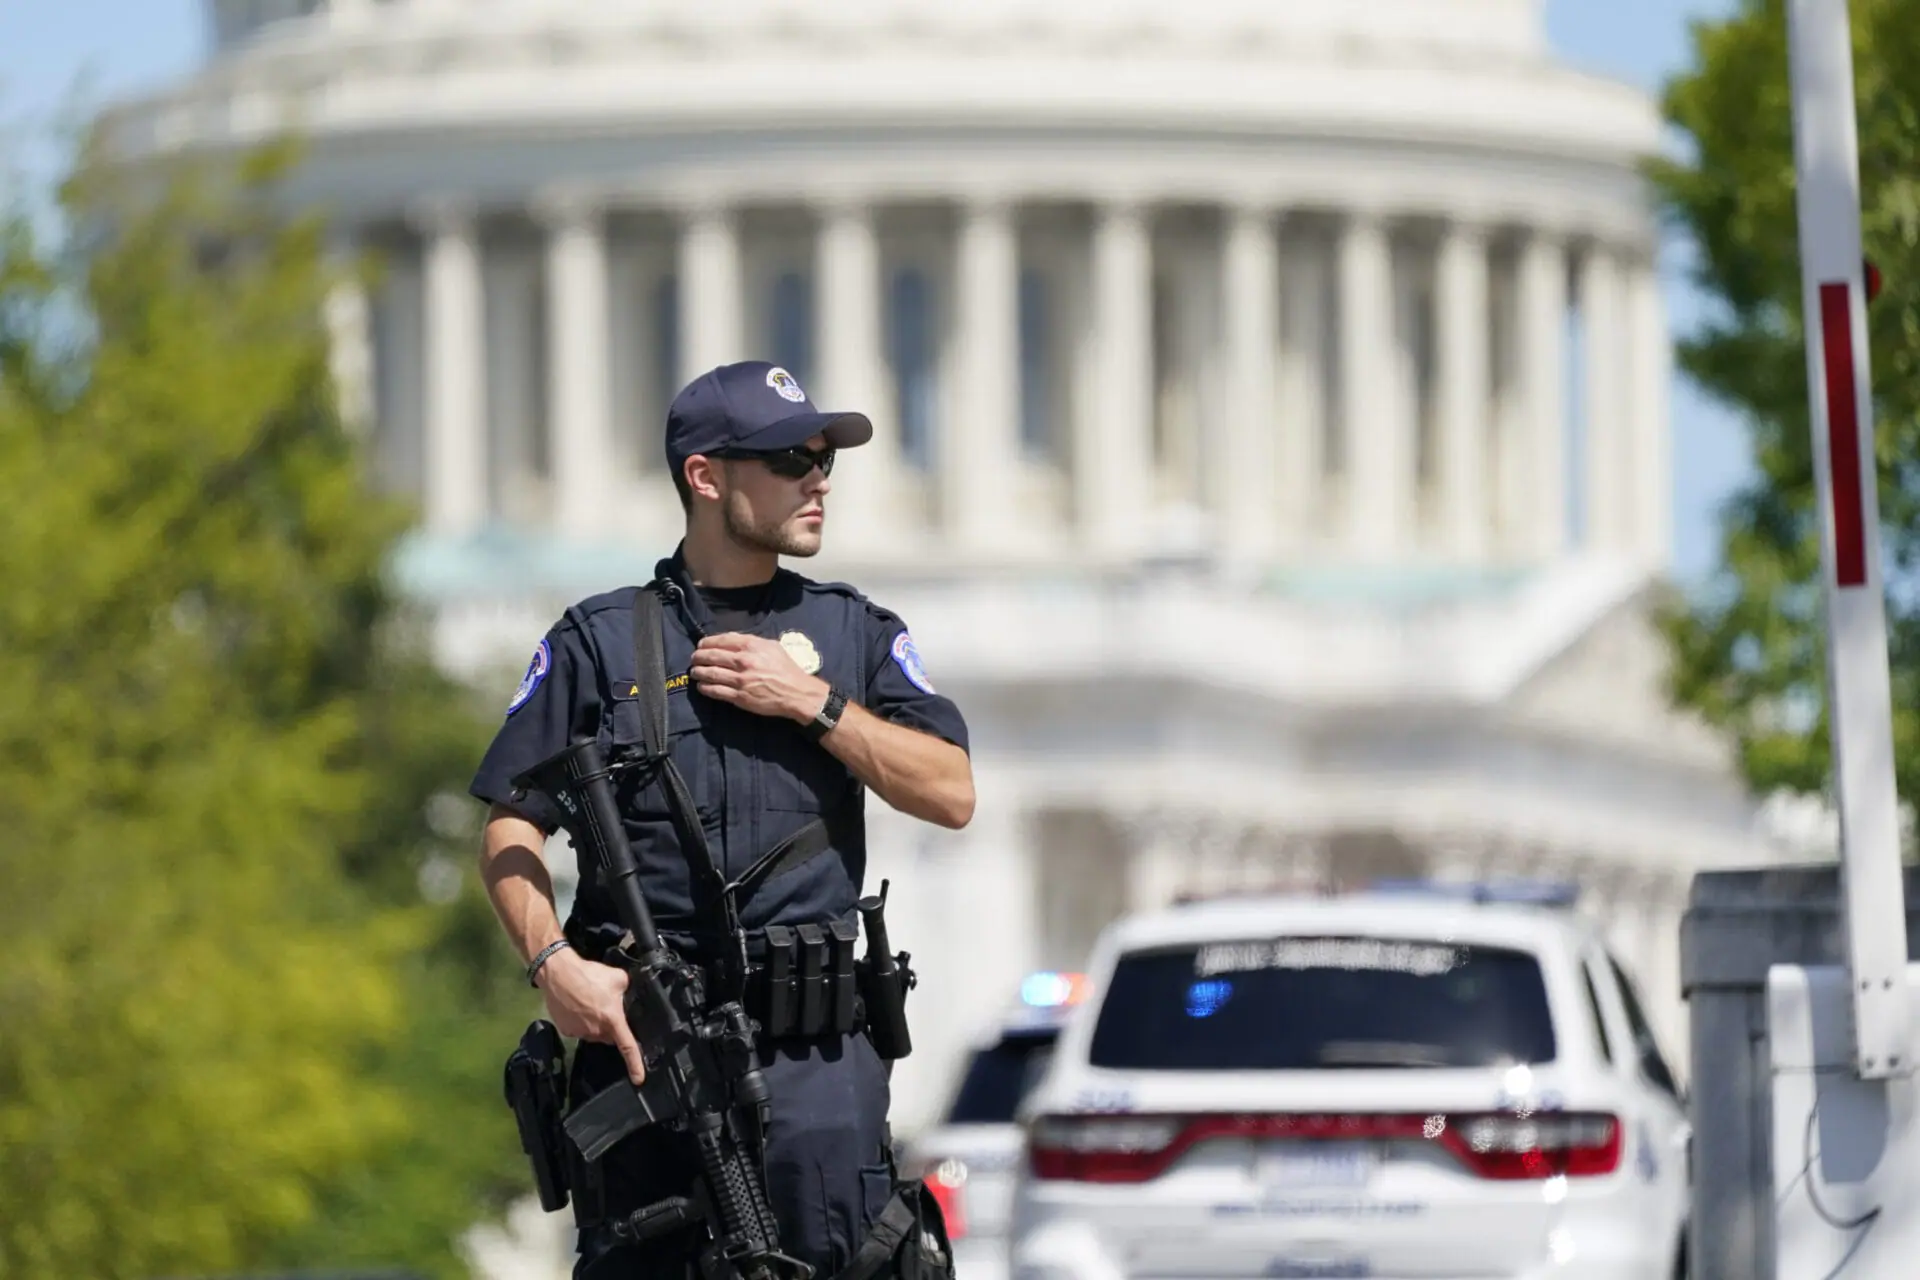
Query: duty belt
[[802, 981]]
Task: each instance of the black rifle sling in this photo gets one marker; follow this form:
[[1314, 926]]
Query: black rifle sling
[[803, 846], [650, 669], [649, 647], [889, 1231]]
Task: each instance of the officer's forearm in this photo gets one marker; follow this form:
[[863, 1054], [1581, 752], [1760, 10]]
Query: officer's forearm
[[917, 773], [518, 882]]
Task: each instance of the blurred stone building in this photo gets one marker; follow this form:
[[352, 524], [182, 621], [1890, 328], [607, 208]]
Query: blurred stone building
[[1273, 452]]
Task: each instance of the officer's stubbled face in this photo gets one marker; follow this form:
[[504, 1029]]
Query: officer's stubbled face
[[771, 513]]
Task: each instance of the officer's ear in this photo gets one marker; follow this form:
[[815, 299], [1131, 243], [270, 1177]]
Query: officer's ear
[[704, 477]]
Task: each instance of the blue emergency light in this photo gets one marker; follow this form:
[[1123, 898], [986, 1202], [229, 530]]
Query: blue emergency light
[[1204, 998], [1048, 990]]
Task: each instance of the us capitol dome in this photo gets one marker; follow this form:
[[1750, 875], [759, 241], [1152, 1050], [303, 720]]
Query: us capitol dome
[[1272, 407]]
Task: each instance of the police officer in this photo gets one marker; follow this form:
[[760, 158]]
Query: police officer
[[787, 700]]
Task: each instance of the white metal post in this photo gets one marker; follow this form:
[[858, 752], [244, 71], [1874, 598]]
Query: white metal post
[[1826, 157]]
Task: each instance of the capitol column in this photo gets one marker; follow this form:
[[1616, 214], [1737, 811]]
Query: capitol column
[[579, 377], [349, 324], [1376, 442], [852, 369], [1307, 398], [455, 452], [978, 460], [1465, 393], [1250, 478], [1649, 452], [1113, 457], [712, 327], [1602, 384], [1543, 425]]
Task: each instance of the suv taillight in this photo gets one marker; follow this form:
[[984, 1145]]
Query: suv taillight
[[1511, 1147], [1501, 1146], [1103, 1148]]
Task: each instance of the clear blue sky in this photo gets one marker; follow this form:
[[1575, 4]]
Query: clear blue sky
[[55, 52]]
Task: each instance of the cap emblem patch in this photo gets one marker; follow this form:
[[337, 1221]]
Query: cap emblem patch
[[786, 384]]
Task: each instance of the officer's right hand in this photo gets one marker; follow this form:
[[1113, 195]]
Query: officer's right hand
[[587, 1001]]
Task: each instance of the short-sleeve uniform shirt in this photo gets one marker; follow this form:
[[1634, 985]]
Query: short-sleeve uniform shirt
[[756, 781]]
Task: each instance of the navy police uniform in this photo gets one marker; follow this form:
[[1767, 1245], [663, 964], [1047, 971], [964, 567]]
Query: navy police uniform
[[756, 782]]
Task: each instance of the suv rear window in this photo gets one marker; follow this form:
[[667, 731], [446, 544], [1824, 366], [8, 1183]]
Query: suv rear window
[[999, 1076], [1321, 1004]]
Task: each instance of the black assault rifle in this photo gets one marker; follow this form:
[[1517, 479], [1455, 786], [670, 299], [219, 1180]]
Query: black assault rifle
[[702, 1076]]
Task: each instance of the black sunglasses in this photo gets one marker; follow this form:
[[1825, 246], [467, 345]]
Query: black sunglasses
[[789, 464]]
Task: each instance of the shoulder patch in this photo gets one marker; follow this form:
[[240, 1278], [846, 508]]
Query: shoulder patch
[[536, 672], [907, 658]]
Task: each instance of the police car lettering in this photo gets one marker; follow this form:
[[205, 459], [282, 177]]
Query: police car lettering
[[1325, 1207], [1102, 1101], [1287, 1268], [1647, 1160], [1420, 959], [907, 658], [536, 672], [1536, 1102]]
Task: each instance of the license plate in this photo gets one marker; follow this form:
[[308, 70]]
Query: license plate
[[1316, 1164], [1318, 1269]]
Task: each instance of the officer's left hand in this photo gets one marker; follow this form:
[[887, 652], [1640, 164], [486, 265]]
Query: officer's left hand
[[755, 674]]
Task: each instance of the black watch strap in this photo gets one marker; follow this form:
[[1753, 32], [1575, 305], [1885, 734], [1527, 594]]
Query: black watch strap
[[828, 716]]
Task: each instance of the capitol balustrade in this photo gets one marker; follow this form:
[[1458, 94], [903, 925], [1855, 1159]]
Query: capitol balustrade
[[1509, 27], [1091, 379]]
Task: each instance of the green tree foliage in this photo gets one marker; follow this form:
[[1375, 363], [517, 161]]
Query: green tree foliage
[[1750, 652], [234, 1030]]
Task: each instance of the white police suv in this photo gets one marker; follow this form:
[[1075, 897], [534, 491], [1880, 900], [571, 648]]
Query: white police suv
[[971, 1158], [1415, 1081]]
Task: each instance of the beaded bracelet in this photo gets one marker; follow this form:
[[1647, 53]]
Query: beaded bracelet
[[546, 953]]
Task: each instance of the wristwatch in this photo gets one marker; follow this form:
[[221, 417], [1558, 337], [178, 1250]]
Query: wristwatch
[[828, 715]]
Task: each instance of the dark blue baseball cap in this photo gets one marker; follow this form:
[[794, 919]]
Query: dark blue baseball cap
[[753, 406]]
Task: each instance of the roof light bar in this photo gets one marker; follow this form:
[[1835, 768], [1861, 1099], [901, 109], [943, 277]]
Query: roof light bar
[[1538, 893]]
